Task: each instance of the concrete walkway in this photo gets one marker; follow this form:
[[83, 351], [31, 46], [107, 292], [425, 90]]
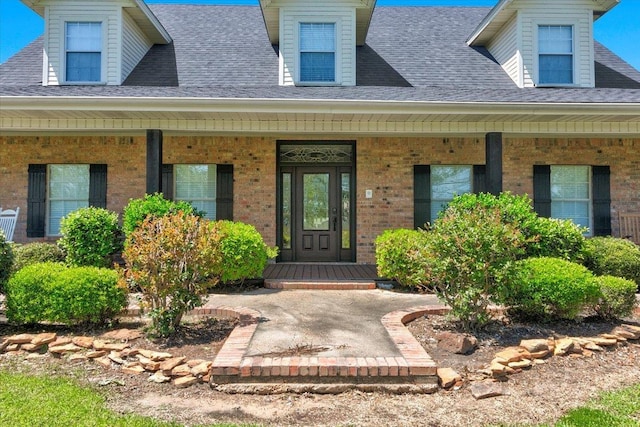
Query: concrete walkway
[[336, 323]]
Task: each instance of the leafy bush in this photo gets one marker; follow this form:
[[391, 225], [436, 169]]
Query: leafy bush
[[402, 255], [613, 256], [152, 204], [55, 293], [617, 297], [6, 260], [168, 258], [474, 252], [37, 252], [244, 252], [90, 237], [556, 238], [543, 236], [551, 288]]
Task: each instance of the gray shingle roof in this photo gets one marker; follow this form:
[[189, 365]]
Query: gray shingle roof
[[411, 54]]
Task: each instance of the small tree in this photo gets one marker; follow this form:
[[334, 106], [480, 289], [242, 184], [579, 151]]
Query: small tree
[[168, 258], [474, 252], [152, 205], [90, 237]]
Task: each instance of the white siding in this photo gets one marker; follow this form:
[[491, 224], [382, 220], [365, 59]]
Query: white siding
[[345, 19], [134, 45], [515, 45], [505, 49], [579, 14], [59, 12]]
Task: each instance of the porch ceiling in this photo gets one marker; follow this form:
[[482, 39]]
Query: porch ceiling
[[242, 115]]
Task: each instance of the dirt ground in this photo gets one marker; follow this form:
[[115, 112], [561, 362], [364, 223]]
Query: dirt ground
[[541, 394]]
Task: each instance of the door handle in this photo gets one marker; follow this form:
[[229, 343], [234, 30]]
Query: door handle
[[335, 222]]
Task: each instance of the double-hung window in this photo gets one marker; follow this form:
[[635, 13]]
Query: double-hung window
[[317, 52], [197, 184], [83, 51], [68, 191], [571, 194], [555, 59], [446, 183]]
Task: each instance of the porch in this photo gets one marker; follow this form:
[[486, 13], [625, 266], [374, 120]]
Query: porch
[[320, 276]]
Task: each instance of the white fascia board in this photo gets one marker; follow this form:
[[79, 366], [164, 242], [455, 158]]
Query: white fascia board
[[320, 106], [162, 32], [497, 9]]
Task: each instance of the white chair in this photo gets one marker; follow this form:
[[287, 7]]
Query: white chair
[[8, 219]]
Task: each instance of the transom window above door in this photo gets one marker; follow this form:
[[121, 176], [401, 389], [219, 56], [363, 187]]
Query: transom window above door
[[317, 52]]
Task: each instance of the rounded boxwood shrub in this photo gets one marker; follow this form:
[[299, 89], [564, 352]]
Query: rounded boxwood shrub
[[551, 288], [90, 237], [6, 260], [152, 204], [53, 292], [244, 252], [36, 252], [544, 237], [402, 255], [617, 297], [613, 256]]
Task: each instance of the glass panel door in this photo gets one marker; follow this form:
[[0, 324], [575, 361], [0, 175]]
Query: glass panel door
[[315, 202]]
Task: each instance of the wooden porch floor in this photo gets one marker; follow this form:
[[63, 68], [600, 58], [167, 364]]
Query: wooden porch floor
[[320, 272]]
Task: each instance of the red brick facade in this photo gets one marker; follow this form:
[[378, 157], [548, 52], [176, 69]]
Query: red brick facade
[[383, 165]]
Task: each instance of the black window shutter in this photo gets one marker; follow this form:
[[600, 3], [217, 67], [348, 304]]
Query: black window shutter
[[479, 179], [601, 189], [542, 190], [98, 186], [36, 200], [421, 195], [224, 192], [167, 181]]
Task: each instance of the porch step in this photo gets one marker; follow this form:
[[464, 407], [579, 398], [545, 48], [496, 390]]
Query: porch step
[[320, 284]]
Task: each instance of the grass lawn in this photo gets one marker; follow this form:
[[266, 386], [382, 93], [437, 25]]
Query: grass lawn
[[27, 400]]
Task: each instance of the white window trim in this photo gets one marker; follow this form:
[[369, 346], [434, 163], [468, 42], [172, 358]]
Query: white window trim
[[589, 232], [336, 20], [103, 20], [536, 51]]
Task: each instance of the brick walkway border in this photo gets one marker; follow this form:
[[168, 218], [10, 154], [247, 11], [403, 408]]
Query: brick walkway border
[[414, 366]]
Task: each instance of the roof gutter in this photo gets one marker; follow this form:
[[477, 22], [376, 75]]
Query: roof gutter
[[311, 106]]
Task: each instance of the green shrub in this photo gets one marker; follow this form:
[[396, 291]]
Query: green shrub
[[168, 258], [617, 297], [402, 255], [474, 252], [244, 252], [6, 261], [556, 238], [71, 295], [613, 256], [37, 252], [90, 237], [543, 236], [551, 288], [152, 204]]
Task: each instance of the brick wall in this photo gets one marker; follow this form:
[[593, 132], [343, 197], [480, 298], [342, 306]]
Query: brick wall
[[622, 155], [384, 165]]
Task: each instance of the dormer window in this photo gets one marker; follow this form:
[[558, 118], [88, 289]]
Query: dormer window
[[317, 52], [83, 52], [555, 60]]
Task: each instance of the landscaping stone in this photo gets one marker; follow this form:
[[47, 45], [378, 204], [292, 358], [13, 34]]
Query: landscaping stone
[[535, 345], [115, 357], [3, 345], [201, 369], [447, 377], [540, 354], [522, 364], [591, 346], [67, 348], [85, 342], [20, 339], [159, 378], [123, 334], [457, 343], [103, 361], [513, 354], [486, 389], [76, 357], [604, 342], [96, 353], [44, 338], [31, 347], [155, 355], [133, 370], [625, 333], [180, 371], [564, 346], [60, 341], [171, 363], [186, 381]]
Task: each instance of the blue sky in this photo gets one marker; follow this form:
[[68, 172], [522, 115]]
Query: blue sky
[[619, 29]]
